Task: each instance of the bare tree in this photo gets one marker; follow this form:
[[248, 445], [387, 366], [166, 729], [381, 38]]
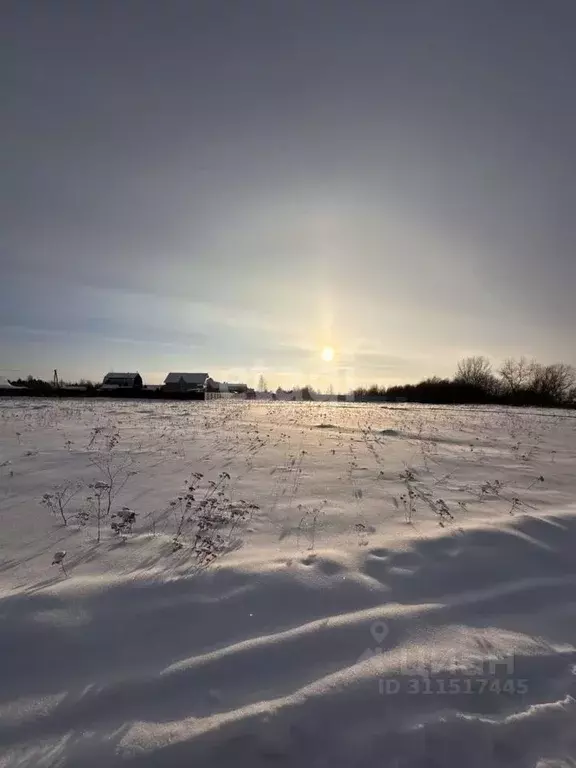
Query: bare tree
[[262, 384], [554, 381], [476, 371], [517, 374]]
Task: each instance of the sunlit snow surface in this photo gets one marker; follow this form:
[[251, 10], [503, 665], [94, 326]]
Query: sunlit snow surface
[[399, 590]]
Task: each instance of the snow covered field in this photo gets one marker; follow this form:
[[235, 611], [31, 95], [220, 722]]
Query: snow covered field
[[340, 585]]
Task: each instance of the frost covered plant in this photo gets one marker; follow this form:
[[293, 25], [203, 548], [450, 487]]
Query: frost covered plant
[[309, 523], [215, 512], [181, 508], [60, 498], [97, 504], [408, 499], [240, 512], [104, 438], [115, 469], [444, 514], [489, 488], [210, 520], [58, 559], [362, 532], [123, 523], [207, 548], [408, 503]]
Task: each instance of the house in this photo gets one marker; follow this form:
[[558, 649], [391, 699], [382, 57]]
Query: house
[[185, 382], [236, 388], [225, 386], [122, 381]]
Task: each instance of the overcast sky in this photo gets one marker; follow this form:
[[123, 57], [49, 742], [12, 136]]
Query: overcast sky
[[231, 186]]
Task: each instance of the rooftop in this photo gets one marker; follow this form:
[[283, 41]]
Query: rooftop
[[189, 378]]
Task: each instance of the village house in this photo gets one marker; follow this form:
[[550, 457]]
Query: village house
[[122, 381], [185, 382]]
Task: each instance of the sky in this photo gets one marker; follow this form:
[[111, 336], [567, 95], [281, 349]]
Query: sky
[[232, 185]]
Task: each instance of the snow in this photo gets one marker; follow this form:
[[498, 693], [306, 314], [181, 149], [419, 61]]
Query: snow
[[394, 586]]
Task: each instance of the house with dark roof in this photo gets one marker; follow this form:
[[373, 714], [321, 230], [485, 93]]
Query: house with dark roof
[[114, 381], [185, 382]]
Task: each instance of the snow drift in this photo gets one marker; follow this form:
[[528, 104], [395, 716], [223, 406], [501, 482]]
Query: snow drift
[[351, 621]]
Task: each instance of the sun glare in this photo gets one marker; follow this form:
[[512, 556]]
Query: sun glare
[[327, 354]]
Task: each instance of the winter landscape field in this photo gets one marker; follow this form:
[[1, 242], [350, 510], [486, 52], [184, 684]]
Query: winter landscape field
[[238, 583]]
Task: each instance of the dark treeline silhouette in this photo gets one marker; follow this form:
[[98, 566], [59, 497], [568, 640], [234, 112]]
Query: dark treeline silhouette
[[36, 385], [41, 387], [517, 382]]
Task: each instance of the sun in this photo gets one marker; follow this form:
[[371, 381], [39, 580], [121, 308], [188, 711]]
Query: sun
[[327, 354]]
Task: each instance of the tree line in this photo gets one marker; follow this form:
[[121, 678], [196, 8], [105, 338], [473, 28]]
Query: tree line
[[41, 387], [516, 382]]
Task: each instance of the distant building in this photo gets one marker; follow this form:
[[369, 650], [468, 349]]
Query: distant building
[[122, 381], [237, 388], [185, 382], [234, 388]]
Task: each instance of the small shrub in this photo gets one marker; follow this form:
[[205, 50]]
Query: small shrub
[[61, 496]]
